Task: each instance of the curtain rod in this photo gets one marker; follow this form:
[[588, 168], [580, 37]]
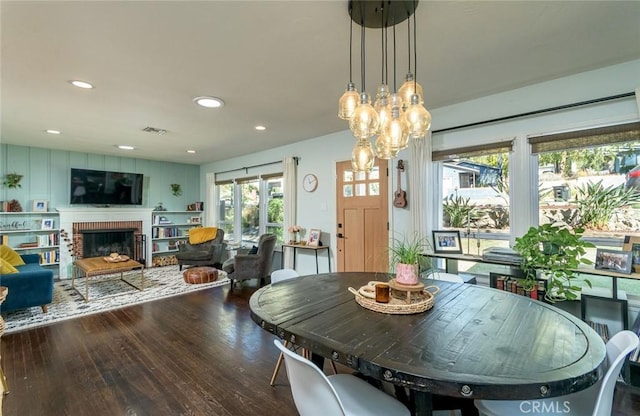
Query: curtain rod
[[535, 112], [246, 168]]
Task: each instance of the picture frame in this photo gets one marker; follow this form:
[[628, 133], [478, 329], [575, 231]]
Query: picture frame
[[314, 237], [40, 205], [614, 260], [632, 244], [47, 224], [195, 220], [447, 241]]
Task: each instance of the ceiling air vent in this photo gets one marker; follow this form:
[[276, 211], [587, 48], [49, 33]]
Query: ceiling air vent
[[154, 130]]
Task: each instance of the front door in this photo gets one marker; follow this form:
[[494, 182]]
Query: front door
[[363, 218]]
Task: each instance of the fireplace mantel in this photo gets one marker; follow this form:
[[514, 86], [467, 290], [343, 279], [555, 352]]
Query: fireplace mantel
[[88, 214]]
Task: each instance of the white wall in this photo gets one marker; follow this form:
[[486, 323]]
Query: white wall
[[317, 210]]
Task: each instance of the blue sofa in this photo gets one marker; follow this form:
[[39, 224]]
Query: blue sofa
[[31, 286]]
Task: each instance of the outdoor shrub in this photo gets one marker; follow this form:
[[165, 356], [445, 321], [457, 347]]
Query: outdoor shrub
[[597, 203], [458, 210]]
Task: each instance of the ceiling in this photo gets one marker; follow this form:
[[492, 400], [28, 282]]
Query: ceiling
[[282, 64]]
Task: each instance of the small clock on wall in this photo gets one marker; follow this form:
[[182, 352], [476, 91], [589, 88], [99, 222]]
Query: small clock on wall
[[310, 182]]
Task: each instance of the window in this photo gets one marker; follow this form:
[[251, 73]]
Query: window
[[226, 196], [475, 194], [587, 179], [252, 216]]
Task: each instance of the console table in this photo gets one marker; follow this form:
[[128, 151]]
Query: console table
[[616, 296], [306, 247]]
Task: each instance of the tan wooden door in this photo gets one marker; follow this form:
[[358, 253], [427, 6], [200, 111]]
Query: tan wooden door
[[362, 218]]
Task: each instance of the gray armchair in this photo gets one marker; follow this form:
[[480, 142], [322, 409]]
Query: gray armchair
[[210, 253], [252, 266]]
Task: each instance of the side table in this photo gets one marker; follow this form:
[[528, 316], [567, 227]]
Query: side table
[[306, 247]]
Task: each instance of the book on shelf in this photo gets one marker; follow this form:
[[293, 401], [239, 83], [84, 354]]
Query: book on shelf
[[4, 240], [29, 244]]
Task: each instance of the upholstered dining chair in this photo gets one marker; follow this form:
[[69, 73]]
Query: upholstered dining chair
[[596, 400], [316, 394], [252, 266]]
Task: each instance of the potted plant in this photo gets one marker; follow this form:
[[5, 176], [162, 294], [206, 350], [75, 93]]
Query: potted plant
[[555, 251], [12, 180], [407, 257], [176, 189]]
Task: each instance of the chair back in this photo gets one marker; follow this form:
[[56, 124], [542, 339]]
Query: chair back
[[312, 392], [618, 347], [281, 275], [266, 246]]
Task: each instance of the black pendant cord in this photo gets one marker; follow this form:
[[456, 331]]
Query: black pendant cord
[[415, 51], [386, 56], [409, 41], [382, 50], [395, 89], [350, 49], [362, 56]]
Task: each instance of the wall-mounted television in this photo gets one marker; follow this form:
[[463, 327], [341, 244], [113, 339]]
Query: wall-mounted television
[[101, 187]]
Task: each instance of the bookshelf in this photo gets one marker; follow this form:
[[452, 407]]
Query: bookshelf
[[32, 232], [169, 229]]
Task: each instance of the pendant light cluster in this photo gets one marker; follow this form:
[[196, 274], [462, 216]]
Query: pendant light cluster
[[396, 116]]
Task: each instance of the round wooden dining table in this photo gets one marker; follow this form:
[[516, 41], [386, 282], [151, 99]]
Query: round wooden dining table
[[475, 342]]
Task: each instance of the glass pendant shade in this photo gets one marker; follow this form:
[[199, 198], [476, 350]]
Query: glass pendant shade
[[396, 130], [409, 88], [417, 118], [362, 157], [348, 102], [384, 150], [364, 123]]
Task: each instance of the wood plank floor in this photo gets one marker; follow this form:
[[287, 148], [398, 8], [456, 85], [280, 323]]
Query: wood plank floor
[[196, 354]]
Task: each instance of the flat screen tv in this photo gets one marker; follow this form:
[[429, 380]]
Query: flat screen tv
[[100, 187]]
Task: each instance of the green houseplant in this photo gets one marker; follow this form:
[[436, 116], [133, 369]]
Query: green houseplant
[[12, 180], [407, 258], [556, 251]]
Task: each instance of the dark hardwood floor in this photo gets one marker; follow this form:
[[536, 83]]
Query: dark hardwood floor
[[196, 354]]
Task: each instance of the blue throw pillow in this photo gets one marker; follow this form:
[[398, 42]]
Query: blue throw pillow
[[254, 250]]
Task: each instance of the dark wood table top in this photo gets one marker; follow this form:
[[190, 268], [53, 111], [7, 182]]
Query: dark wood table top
[[475, 342]]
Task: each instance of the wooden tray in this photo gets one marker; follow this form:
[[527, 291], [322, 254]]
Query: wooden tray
[[419, 302]]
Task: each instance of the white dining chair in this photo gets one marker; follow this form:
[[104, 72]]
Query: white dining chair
[[278, 276], [596, 400], [316, 394]]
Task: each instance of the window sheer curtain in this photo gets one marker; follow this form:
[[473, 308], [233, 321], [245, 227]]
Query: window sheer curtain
[[421, 188], [210, 206], [289, 179]]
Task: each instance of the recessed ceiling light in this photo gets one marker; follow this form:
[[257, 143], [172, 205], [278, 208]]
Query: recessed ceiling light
[[81, 84], [209, 102], [260, 128], [125, 147], [191, 151], [53, 131]]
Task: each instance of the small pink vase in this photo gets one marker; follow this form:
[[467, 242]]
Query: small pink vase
[[407, 274]]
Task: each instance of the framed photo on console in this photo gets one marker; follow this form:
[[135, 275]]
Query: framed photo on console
[[632, 244], [314, 237], [447, 242], [614, 260]]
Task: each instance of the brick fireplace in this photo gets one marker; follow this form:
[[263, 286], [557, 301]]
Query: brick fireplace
[[83, 224], [100, 238]]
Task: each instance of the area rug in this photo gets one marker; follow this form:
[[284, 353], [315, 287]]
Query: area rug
[[105, 293]]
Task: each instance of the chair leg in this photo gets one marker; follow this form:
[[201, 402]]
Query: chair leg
[[44, 308], [333, 366], [5, 386], [278, 364]]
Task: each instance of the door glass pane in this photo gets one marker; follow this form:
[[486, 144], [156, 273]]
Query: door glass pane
[[348, 176], [347, 190], [360, 176], [374, 188], [361, 189], [375, 173]]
